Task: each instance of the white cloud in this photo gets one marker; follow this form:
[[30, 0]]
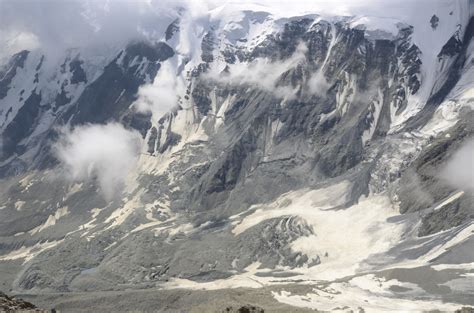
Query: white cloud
[[318, 84], [58, 25], [265, 74], [262, 73], [14, 42], [459, 171], [103, 152], [161, 95]]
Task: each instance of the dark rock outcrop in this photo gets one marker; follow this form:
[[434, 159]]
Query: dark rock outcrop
[[11, 304], [465, 309], [248, 308]]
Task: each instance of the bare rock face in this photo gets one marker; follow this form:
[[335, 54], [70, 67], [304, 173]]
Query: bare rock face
[[245, 309], [227, 181], [11, 304], [434, 21], [465, 310]]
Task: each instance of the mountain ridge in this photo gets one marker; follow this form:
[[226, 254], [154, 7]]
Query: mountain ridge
[[312, 153]]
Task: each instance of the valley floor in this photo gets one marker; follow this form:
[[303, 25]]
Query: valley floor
[[176, 300], [394, 290]]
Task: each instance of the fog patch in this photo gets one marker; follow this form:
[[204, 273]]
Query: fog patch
[[459, 171], [161, 95], [262, 73], [266, 74], [106, 153], [55, 26], [318, 84]]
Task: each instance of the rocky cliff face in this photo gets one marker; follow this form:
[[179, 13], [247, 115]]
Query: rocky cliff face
[[298, 149], [9, 304]]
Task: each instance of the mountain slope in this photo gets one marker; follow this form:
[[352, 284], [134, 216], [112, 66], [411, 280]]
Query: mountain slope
[[294, 149]]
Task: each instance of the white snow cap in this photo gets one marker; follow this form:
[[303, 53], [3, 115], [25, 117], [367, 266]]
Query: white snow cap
[[24, 24]]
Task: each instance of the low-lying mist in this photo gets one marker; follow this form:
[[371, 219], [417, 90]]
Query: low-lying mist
[[103, 152], [459, 171]]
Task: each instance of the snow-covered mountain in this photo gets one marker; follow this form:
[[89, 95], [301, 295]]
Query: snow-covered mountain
[[324, 158]]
